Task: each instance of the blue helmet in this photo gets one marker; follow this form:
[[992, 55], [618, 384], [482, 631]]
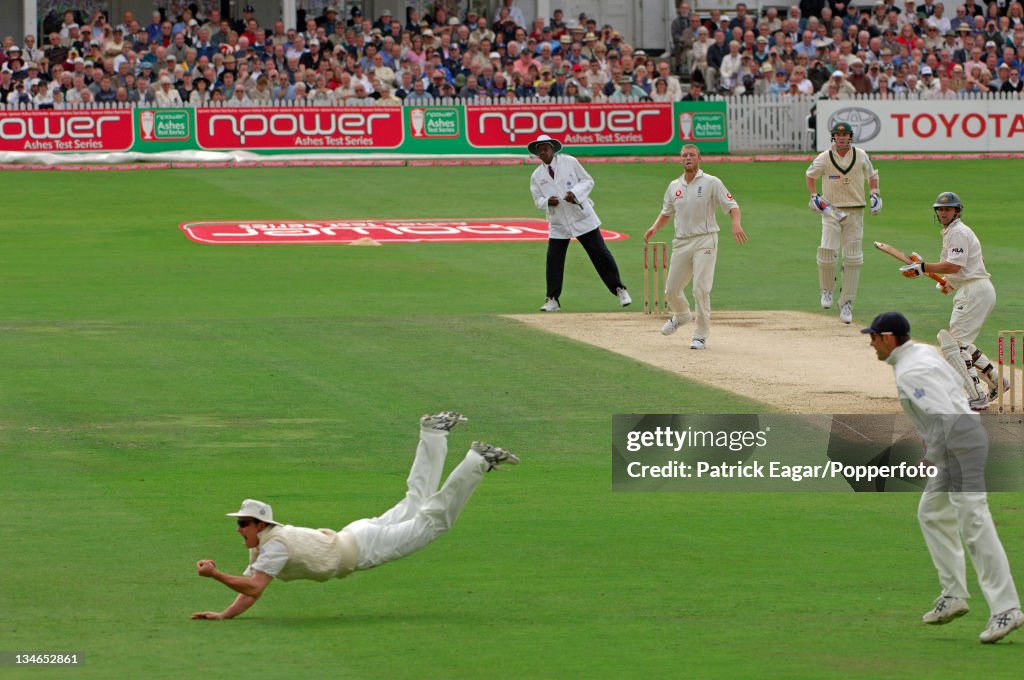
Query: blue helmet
[[947, 199]]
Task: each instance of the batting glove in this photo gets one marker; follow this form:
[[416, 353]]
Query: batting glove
[[912, 271], [815, 203], [876, 204]]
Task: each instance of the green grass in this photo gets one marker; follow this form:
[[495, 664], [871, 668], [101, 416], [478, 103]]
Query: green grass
[[150, 383]]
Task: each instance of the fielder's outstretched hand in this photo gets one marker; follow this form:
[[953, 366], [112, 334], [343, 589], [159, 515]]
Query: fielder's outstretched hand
[[207, 615]]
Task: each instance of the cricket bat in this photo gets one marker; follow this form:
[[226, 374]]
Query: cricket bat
[[906, 259], [824, 206]]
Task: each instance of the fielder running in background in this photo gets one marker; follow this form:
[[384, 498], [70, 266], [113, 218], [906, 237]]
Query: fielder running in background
[[953, 512], [692, 199], [843, 169], [963, 266], [560, 186], [287, 553]]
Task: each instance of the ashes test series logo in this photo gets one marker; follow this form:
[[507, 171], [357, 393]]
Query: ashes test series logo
[[434, 122], [702, 126], [164, 125]]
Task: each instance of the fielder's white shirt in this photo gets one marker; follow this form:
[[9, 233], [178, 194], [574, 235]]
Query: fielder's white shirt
[[273, 556], [961, 246], [565, 220], [929, 391], [693, 205]]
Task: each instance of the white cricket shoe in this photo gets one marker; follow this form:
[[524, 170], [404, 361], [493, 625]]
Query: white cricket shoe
[[550, 305], [1001, 625], [698, 343], [442, 422], [493, 455], [624, 298], [673, 324], [946, 609], [846, 312], [826, 299], [979, 404]]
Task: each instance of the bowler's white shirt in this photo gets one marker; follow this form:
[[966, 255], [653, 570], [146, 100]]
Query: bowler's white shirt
[[961, 246], [693, 205]]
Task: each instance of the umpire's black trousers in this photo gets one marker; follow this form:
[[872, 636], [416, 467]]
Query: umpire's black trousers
[[599, 254]]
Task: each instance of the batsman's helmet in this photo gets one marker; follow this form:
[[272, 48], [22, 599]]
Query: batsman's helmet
[[842, 128], [947, 199]]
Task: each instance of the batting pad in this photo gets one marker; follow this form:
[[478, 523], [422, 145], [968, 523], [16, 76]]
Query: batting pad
[[959, 361], [827, 268], [853, 258]]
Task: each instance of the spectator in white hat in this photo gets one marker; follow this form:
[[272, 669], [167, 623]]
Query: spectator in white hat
[[166, 95]]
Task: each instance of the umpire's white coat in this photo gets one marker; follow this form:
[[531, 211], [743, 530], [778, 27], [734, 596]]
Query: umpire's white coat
[[565, 220]]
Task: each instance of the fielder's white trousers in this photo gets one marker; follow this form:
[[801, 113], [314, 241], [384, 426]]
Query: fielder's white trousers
[[952, 519], [971, 306], [426, 512], [693, 258]]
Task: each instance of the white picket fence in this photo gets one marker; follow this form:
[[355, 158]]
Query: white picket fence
[[760, 123]]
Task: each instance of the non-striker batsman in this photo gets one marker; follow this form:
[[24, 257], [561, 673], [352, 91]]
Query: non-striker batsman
[[843, 169]]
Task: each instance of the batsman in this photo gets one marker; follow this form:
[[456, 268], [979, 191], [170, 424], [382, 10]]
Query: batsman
[[843, 170], [963, 266]]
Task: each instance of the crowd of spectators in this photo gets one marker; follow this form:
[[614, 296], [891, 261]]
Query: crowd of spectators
[[818, 48], [834, 49], [194, 58]]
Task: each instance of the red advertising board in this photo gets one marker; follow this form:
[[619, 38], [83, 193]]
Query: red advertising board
[[635, 124], [300, 128], [57, 131], [381, 231]]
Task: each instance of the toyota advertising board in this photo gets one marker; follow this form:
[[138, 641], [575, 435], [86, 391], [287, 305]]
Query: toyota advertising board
[[926, 126]]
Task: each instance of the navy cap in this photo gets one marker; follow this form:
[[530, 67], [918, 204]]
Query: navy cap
[[889, 323]]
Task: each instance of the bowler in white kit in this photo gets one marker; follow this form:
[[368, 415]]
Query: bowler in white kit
[[690, 201]]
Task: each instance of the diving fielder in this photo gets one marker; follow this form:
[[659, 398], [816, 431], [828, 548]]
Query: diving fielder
[[288, 553], [843, 169], [962, 264]]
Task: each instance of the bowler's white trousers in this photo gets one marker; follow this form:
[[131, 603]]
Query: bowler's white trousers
[[693, 257], [426, 512]]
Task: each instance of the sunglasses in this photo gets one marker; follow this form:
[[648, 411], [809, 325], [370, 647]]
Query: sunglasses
[[245, 522]]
